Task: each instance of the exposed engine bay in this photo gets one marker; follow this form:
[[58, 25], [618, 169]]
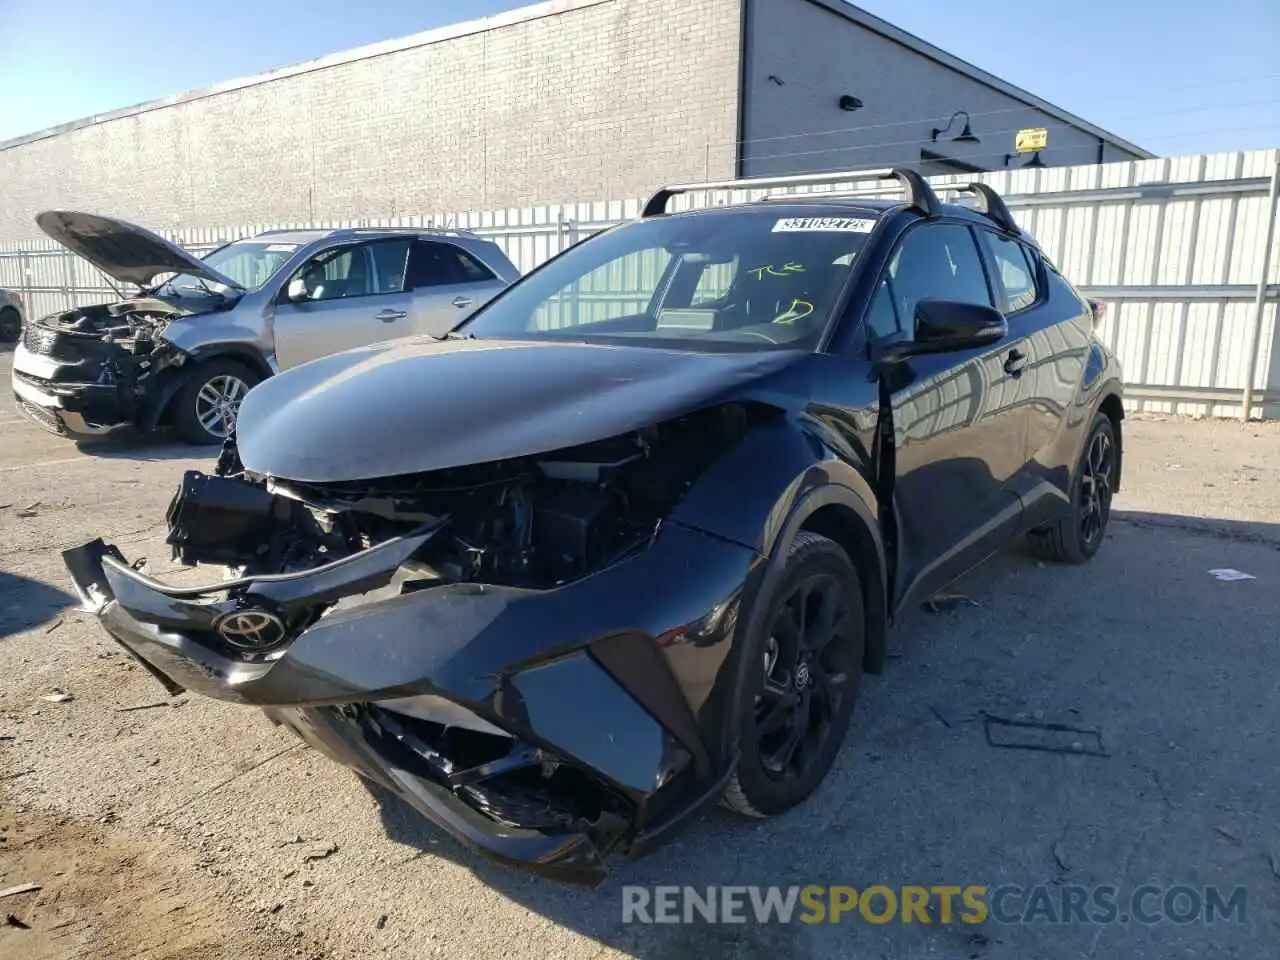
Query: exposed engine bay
[[132, 324], [533, 522], [105, 357]]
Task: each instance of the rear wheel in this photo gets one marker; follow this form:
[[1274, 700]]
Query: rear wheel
[[1077, 536], [803, 672], [207, 406], [10, 325]]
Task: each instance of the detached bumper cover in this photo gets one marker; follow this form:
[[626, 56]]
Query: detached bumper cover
[[605, 676]]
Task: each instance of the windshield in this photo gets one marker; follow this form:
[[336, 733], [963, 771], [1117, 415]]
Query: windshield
[[250, 263], [746, 279]]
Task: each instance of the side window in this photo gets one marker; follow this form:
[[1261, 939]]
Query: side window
[[339, 273], [390, 259], [471, 270], [936, 261], [434, 264], [1015, 269]]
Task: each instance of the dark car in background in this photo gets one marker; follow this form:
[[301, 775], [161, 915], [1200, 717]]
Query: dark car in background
[[626, 542], [11, 313]]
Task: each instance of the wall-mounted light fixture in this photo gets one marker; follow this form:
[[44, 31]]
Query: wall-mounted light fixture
[[850, 103], [1035, 162], [966, 135]]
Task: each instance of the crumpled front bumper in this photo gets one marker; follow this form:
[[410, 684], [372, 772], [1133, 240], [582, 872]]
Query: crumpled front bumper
[[606, 675], [68, 408]]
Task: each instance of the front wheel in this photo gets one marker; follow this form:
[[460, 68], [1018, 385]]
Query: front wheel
[[209, 402], [10, 325], [1076, 537], [802, 675]]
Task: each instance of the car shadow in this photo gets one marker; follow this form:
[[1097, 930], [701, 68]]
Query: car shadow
[[149, 448], [26, 604], [1239, 531], [597, 913]]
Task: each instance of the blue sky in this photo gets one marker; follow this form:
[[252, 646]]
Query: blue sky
[[1174, 76]]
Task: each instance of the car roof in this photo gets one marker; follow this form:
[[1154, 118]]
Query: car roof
[[818, 206], [360, 233]]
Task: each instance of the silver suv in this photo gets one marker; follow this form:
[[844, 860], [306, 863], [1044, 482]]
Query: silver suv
[[200, 332]]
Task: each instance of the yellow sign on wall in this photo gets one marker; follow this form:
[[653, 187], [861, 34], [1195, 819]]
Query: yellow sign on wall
[[1030, 139]]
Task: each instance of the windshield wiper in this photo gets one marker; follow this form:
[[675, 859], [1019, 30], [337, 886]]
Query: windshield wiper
[[456, 335]]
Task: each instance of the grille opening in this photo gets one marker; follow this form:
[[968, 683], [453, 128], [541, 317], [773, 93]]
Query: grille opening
[[546, 794], [567, 799]]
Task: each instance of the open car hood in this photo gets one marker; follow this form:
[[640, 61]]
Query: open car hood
[[417, 405], [124, 251]]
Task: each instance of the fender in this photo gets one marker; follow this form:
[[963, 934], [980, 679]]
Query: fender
[[781, 479], [156, 406], [1111, 402]]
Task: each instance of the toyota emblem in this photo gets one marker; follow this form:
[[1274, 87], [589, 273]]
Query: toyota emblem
[[803, 675], [250, 629]]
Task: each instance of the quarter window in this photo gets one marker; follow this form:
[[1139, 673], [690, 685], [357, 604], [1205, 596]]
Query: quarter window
[[1016, 270], [436, 264]]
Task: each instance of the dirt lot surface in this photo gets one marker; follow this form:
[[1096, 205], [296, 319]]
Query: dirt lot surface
[[189, 828]]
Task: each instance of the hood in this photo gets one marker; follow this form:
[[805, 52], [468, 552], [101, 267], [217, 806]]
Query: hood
[[123, 251], [412, 406]]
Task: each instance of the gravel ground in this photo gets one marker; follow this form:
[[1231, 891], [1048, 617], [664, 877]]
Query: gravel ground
[[195, 829]]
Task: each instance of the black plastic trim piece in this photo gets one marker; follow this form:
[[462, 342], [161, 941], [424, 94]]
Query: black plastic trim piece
[[920, 195], [991, 206]]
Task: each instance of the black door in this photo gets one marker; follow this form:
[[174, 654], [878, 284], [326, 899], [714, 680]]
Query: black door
[[960, 432], [1055, 326]]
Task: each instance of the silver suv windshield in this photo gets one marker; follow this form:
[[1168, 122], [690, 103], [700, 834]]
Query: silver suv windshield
[[744, 280], [250, 263]]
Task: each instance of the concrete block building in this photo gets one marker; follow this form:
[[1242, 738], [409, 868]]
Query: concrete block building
[[563, 101]]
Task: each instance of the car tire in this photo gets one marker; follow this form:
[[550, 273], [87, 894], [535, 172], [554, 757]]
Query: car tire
[[1076, 537], [10, 325], [205, 408], [770, 779]]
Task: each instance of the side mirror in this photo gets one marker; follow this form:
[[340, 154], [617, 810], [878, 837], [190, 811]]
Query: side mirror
[[943, 326], [296, 291]]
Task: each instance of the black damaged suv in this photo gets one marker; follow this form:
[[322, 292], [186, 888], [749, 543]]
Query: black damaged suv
[[626, 541]]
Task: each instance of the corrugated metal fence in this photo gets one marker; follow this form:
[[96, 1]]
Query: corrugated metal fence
[[1177, 248]]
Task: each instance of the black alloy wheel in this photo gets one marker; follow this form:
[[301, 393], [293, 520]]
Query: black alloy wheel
[[802, 692], [1076, 536]]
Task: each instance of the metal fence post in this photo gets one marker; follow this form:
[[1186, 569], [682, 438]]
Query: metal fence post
[[27, 287], [1260, 299]]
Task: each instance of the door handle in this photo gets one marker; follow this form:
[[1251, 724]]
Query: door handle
[[386, 316], [1014, 363], [461, 302]]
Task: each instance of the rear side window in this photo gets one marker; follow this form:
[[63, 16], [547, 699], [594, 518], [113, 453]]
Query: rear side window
[[1015, 271], [433, 264], [470, 269]]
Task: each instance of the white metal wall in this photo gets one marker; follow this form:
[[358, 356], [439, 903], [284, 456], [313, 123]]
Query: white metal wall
[[1174, 246]]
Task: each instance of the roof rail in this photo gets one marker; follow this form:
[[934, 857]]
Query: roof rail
[[919, 194], [990, 205]]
